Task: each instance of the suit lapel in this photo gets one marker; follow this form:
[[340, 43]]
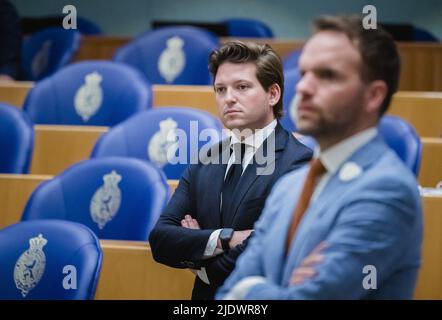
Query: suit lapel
[[364, 158], [250, 175]]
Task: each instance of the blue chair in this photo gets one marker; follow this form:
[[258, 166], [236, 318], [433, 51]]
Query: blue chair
[[47, 51], [291, 79], [117, 198], [16, 140], [49, 260], [101, 93], [422, 35], [291, 61], [248, 28], [88, 27], [171, 55], [403, 139], [153, 135], [399, 136]]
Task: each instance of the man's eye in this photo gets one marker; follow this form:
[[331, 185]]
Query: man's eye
[[327, 74], [219, 90], [243, 87]]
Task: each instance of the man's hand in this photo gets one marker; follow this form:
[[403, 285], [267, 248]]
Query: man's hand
[[5, 78], [237, 238], [306, 269], [189, 222]]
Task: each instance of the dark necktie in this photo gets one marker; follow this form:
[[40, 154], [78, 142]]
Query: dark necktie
[[317, 169], [231, 181]]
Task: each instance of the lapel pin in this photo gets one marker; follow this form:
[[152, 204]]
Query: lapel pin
[[349, 171]]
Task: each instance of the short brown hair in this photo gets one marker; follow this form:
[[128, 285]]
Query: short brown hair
[[380, 58], [268, 64]]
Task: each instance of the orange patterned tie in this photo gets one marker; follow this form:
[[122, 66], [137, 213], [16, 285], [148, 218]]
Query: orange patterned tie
[[317, 169]]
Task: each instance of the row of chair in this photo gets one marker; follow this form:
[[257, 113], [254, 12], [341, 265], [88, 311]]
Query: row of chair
[[136, 138], [173, 55], [422, 109], [147, 135], [38, 262], [106, 93]]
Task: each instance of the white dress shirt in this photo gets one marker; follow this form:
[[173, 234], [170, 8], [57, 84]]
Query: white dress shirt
[[332, 159], [252, 144]]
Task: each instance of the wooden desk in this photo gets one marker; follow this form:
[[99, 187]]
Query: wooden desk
[[199, 97], [58, 147], [429, 285], [129, 272], [431, 163], [15, 92], [422, 109], [15, 190]]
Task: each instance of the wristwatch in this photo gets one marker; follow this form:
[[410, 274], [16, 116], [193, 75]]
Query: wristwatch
[[225, 236]]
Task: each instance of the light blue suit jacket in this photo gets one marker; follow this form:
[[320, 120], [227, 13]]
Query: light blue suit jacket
[[374, 219]]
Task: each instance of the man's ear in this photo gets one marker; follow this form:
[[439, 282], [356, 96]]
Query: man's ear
[[274, 94], [376, 93]]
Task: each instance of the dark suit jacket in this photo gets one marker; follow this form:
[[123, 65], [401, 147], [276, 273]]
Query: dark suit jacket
[[10, 40], [198, 194]]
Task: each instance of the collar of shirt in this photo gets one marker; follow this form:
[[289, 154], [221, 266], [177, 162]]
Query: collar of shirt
[[335, 156], [256, 139], [252, 142]]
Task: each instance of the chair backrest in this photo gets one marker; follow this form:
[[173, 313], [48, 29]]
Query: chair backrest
[[159, 135], [117, 198], [291, 61], [248, 28], [291, 78], [47, 51], [16, 140], [403, 139], [50, 259], [399, 136], [88, 27], [171, 55], [89, 93]]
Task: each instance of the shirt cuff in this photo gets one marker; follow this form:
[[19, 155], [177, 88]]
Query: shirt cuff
[[211, 249], [242, 288], [202, 274]]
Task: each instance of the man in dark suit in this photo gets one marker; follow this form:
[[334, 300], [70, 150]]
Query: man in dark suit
[[10, 41], [210, 217]]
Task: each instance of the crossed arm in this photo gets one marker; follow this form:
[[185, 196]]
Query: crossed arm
[[368, 232]]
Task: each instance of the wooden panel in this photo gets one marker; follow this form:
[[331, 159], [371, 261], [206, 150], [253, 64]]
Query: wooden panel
[[129, 272], [58, 147], [15, 190], [421, 65], [282, 46], [15, 92], [422, 109], [99, 47], [429, 284], [200, 97], [431, 163]]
